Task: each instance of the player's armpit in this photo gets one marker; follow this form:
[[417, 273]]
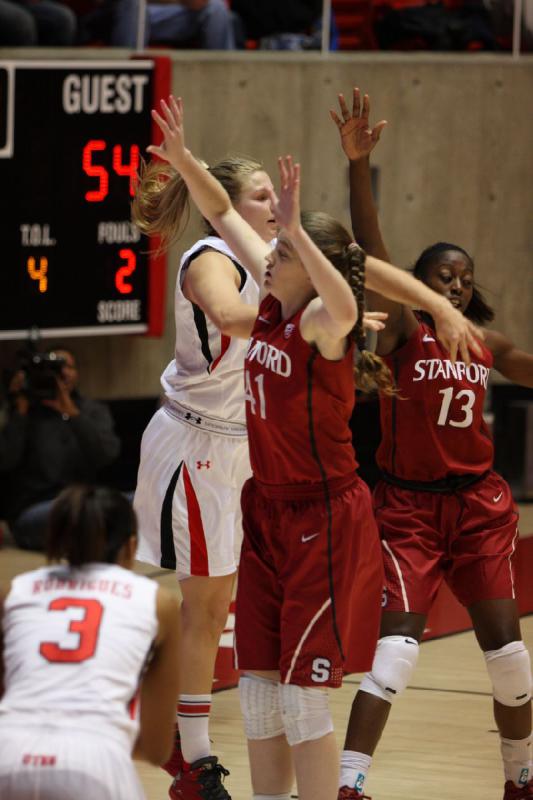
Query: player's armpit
[[160, 685]]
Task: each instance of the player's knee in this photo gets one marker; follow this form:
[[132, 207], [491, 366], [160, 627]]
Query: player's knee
[[305, 712], [261, 707], [393, 666], [510, 672]]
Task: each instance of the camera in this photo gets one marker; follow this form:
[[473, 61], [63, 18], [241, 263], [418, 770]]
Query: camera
[[42, 371]]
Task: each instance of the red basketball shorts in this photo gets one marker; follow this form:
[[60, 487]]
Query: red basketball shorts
[[466, 538], [310, 584]]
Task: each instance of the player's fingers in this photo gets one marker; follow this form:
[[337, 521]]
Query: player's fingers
[[161, 122], [356, 103], [336, 119], [453, 349], [176, 113], [378, 129], [376, 315], [366, 107], [168, 115], [156, 151], [463, 348], [282, 172], [344, 108], [296, 176]]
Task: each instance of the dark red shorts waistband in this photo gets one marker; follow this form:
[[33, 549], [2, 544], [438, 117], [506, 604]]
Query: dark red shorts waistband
[[306, 491]]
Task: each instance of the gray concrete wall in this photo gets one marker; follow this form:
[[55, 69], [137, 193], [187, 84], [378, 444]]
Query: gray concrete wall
[[455, 164]]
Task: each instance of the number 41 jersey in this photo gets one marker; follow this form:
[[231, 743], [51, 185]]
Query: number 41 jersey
[[75, 645], [433, 427]]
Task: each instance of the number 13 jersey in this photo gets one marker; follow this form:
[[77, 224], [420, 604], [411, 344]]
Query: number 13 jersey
[[434, 427], [75, 645]]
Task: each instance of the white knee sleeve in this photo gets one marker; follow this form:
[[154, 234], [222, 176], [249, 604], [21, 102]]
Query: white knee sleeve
[[261, 707], [392, 668], [305, 713], [510, 672]]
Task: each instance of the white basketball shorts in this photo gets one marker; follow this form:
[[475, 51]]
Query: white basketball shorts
[[50, 764], [188, 494]]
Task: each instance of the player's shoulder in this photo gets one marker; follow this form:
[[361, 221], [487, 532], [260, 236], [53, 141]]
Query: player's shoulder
[[213, 245]]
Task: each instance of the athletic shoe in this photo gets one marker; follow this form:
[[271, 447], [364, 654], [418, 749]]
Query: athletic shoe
[[513, 792], [345, 793], [175, 762], [202, 781]]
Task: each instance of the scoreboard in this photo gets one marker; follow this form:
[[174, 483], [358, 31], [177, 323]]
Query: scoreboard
[[72, 135]]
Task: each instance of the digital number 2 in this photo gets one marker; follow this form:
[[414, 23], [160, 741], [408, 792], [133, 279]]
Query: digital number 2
[[87, 629]]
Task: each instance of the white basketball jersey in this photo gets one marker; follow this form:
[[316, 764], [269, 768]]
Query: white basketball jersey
[[206, 374], [75, 645]]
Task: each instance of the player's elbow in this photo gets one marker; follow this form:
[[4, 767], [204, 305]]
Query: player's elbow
[[345, 322], [229, 320]]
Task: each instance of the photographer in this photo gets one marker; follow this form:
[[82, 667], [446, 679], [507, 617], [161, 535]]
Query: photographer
[[54, 436]]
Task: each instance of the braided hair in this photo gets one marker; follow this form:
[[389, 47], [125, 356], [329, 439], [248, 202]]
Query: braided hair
[[334, 241]]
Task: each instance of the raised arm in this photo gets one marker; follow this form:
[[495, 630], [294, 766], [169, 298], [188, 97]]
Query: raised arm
[[328, 318], [514, 364], [160, 685], [358, 139], [207, 193]]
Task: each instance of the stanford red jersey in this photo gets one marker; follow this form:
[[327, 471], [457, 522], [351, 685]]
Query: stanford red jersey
[[434, 427], [298, 404]]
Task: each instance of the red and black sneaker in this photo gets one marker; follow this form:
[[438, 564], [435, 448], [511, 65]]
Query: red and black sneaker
[[202, 781], [345, 793], [175, 762], [513, 792]]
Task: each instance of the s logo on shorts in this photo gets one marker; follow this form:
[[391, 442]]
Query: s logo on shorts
[[384, 597], [321, 670]]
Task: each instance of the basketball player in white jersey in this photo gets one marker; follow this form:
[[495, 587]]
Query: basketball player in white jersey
[[194, 453], [88, 667]]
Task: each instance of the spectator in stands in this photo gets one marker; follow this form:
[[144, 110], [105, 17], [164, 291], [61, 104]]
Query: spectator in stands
[[207, 23], [53, 436], [269, 17], [39, 22]]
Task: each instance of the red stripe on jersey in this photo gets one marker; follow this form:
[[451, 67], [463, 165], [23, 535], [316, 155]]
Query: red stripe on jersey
[[225, 342], [132, 705], [199, 562]]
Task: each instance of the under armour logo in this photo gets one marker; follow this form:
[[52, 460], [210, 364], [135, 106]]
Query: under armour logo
[[189, 416], [200, 464]]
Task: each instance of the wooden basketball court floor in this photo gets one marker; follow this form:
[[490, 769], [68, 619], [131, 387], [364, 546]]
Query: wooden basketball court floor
[[440, 742]]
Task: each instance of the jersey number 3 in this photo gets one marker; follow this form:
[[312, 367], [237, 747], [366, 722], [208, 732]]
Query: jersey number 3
[[87, 629], [466, 408]]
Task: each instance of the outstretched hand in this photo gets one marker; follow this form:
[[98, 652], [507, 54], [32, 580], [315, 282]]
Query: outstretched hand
[[286, 206], [358, 139], [172, 149], [458, 334], [374, 320]]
